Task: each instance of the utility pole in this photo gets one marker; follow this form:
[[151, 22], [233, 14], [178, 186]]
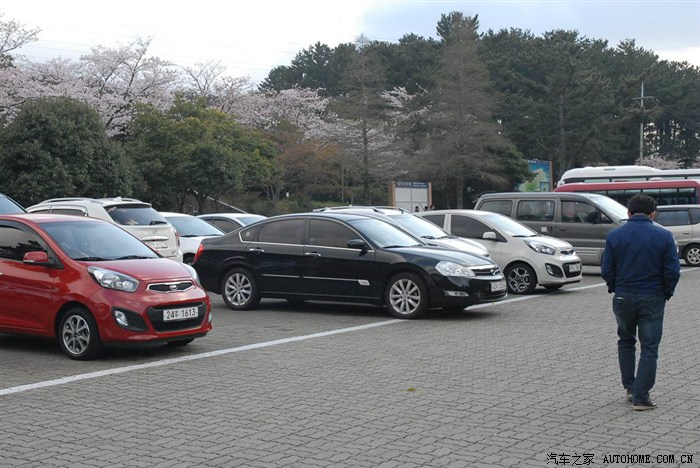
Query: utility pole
[[641, 124]]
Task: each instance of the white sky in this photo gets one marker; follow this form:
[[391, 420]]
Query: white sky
[[252, 37]]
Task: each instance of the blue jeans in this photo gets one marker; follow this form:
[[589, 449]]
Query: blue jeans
[[643, 317]]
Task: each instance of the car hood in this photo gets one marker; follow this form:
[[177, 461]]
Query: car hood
[[151, 269], [439, 254], [459, 244], [553, 241]]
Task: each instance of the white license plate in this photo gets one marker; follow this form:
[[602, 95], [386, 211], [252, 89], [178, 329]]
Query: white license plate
[[574, 268], [180, 314], [157, 244], [498, 286]]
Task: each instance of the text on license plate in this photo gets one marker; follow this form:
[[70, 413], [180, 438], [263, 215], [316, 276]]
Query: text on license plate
[[575, 267], [498, 286], [157, 244], [180, 314]]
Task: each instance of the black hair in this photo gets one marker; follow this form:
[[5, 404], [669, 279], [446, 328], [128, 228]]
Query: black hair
[[641, 204]]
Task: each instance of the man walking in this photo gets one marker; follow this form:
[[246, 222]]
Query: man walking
[[641, 267]]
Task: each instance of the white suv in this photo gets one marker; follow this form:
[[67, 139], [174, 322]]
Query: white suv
[[134, 216], [525, 257]]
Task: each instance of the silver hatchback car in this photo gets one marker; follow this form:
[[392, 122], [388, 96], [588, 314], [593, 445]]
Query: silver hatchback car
[[684, 222]]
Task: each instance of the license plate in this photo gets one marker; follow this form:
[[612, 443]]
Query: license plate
[[157, 244], [575, 268], [498, 286], [180, 314]]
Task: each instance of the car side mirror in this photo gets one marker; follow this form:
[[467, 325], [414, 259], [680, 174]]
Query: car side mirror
[[489, 235], [37, 258], [358, 244]]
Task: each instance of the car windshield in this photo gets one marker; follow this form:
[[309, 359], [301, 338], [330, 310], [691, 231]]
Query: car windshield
[[506, 225], [96, 241], [383, 234], [8, 206], [612, 207], [419, 227], [135, 215], [190, 226]]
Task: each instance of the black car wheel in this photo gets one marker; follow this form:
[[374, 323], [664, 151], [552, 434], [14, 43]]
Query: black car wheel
[[691, 255], [406, 296], [78, 335], [239, 290], [521, 278]]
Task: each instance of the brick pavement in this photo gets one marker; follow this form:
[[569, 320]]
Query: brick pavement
[[529, 383]]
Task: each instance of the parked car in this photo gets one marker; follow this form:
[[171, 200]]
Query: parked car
[[581, 219], [227, 222], [9, 206], [343, 257], [135, 216], [426, 231], [191, 231], [526, 258], [684, 222], [91, 284]]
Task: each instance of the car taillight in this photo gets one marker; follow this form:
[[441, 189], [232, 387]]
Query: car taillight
[[177, 239], [200, 249]]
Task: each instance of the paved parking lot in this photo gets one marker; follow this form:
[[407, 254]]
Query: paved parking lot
[[528, 382]]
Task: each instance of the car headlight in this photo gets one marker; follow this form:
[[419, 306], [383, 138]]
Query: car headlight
[[454, 269], [113, 280], [193, 272], [539, 247]]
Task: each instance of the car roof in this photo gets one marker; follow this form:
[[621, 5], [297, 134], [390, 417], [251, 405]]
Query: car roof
[[173, 214], [100, 201], [671, 207], [340, 215], [41, 218], [459, 211], [538, 195], [230, 215]]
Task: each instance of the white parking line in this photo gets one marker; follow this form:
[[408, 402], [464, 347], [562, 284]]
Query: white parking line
[[192, 357]]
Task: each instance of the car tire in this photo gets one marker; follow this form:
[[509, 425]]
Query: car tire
[[691, 255], [239, 290], [406, 296], [188, 259], [181, 342], [521, 278], [78, 335]]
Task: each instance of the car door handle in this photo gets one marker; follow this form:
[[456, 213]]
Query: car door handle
[[312, 254], [256, 250]]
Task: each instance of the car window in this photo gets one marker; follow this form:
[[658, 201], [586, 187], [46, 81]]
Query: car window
[[505, 207], [673, 217], [383, 234], [535, 210], [224, 224], [14, 243], [286, 231], [578, 212], [190, 226], [135, 215], [695, 215], [330, 234], [464, 226], [419, 227]]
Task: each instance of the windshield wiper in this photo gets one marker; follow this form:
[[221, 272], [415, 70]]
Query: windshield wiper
[[131, 257], [427, 237], [91, 259], [447, 237], [157, 222]]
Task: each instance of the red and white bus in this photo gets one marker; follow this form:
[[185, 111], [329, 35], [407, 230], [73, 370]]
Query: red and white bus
[[624, 173], [665, 192]]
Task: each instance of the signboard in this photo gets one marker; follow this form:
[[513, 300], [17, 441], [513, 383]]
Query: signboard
[[409, 195], [543, 177]]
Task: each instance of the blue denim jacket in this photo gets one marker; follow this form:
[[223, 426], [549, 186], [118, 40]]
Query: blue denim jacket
[[641, 258]]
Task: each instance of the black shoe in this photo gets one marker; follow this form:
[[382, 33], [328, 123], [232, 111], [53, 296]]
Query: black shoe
[[648, 404], [628, 395]]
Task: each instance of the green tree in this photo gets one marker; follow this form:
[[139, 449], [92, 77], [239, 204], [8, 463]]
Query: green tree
[[58, 147], [194, 150]]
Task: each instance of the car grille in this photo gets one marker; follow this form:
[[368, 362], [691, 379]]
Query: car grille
[[170, 287], [155, 315], [486, 270], [491, 296]]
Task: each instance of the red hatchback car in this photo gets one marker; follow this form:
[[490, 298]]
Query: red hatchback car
[[91, 284]]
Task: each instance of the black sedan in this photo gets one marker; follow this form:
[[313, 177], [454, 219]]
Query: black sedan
[[343, 257]]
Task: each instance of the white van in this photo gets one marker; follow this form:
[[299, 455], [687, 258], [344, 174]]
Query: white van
[[582, 219]]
